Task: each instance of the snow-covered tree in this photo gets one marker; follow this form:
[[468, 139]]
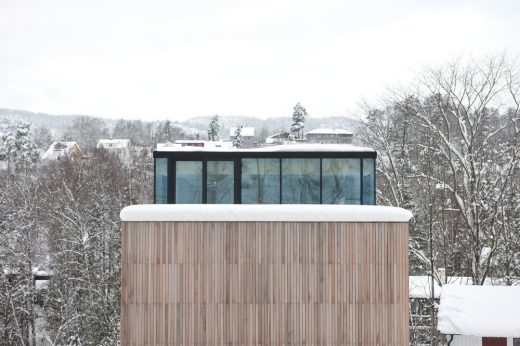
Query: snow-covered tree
[[299, 116], [87, 131], [448, 150], [213, 128], [19, 149], [167, 132], [43, 137], [237, 137]]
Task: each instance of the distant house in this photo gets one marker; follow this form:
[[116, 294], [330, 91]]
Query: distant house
[[329, 136], [480, 315], [62, 150], [278, 138], [247, 133], [195, 143], [121, 147]]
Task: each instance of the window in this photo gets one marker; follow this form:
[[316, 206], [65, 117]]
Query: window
[[341, 181], [161, 181], [220, 182], [301, 181], [369, 179], [486, 341], [188, 182], [260, 181]]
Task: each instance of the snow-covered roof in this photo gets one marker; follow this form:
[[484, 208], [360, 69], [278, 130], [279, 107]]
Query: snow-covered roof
[[307, 147], [322, 131], [244, 132], [181, 143], [480, 310], [420, 285], [264, 212], [279, 134], [113, 143], [58, 150]]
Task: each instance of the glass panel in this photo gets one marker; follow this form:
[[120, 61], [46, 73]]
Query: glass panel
[[188, 182], [161, 181], [220, 182], [301, 181], [341, 181], [260, 181], [369, 181]]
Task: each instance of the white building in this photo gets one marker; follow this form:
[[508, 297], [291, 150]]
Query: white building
[[278, 138], [330, 136], [246, 132], [121, 147], [480, 315], [195, 143]]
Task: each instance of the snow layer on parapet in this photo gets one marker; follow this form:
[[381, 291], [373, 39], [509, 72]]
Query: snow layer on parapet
[[265, 212], [277, 148], [480, 310]]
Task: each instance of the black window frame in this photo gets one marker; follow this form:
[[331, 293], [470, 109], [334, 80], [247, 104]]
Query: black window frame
[[237, 156]]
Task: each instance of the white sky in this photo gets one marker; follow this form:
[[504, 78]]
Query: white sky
[[179, 59]]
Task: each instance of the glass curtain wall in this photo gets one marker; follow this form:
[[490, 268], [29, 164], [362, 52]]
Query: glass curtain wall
[[341, 181], [161, 181], [220, 180], [369, 181], [260, 181], [301, 181], [188, 182]]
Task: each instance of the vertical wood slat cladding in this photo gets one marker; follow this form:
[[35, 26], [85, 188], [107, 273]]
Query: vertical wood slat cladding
[[264, 283]]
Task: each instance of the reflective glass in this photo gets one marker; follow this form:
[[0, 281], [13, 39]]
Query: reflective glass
[[341, 181], [188, 182], [369, 181], [161, 181], [260, 181], [301, 181], [220, 182]]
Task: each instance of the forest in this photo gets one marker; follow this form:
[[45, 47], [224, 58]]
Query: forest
[[448, 150]]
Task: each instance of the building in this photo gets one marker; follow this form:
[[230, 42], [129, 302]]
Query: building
[[284, 174], [120, 147], [278, 138], [195, 143], [247, 133], [62, 150], [329, 136], [274, 256], [472, 315], [264, 274]]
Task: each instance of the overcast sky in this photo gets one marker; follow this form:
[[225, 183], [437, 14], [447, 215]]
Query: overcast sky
[[179, 59]]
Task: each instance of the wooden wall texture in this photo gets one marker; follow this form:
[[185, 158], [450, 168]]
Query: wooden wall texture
[[269, 283]]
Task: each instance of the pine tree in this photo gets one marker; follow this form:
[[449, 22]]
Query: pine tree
[[213, 129], [19, 150], [299, 116], [237, 138]]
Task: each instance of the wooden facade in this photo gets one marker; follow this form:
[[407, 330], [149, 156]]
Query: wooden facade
[[269, 283]]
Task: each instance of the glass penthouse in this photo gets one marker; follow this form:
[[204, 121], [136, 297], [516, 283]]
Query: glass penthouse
[[283, 174]]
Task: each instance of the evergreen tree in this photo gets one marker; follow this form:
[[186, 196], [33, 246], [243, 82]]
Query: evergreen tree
[[213, 129], [299, 116], [19, 150], [167, 132], [237, 138]]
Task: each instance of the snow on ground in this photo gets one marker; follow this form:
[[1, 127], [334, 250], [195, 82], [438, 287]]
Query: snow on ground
[[480, 310], [265, 212]]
